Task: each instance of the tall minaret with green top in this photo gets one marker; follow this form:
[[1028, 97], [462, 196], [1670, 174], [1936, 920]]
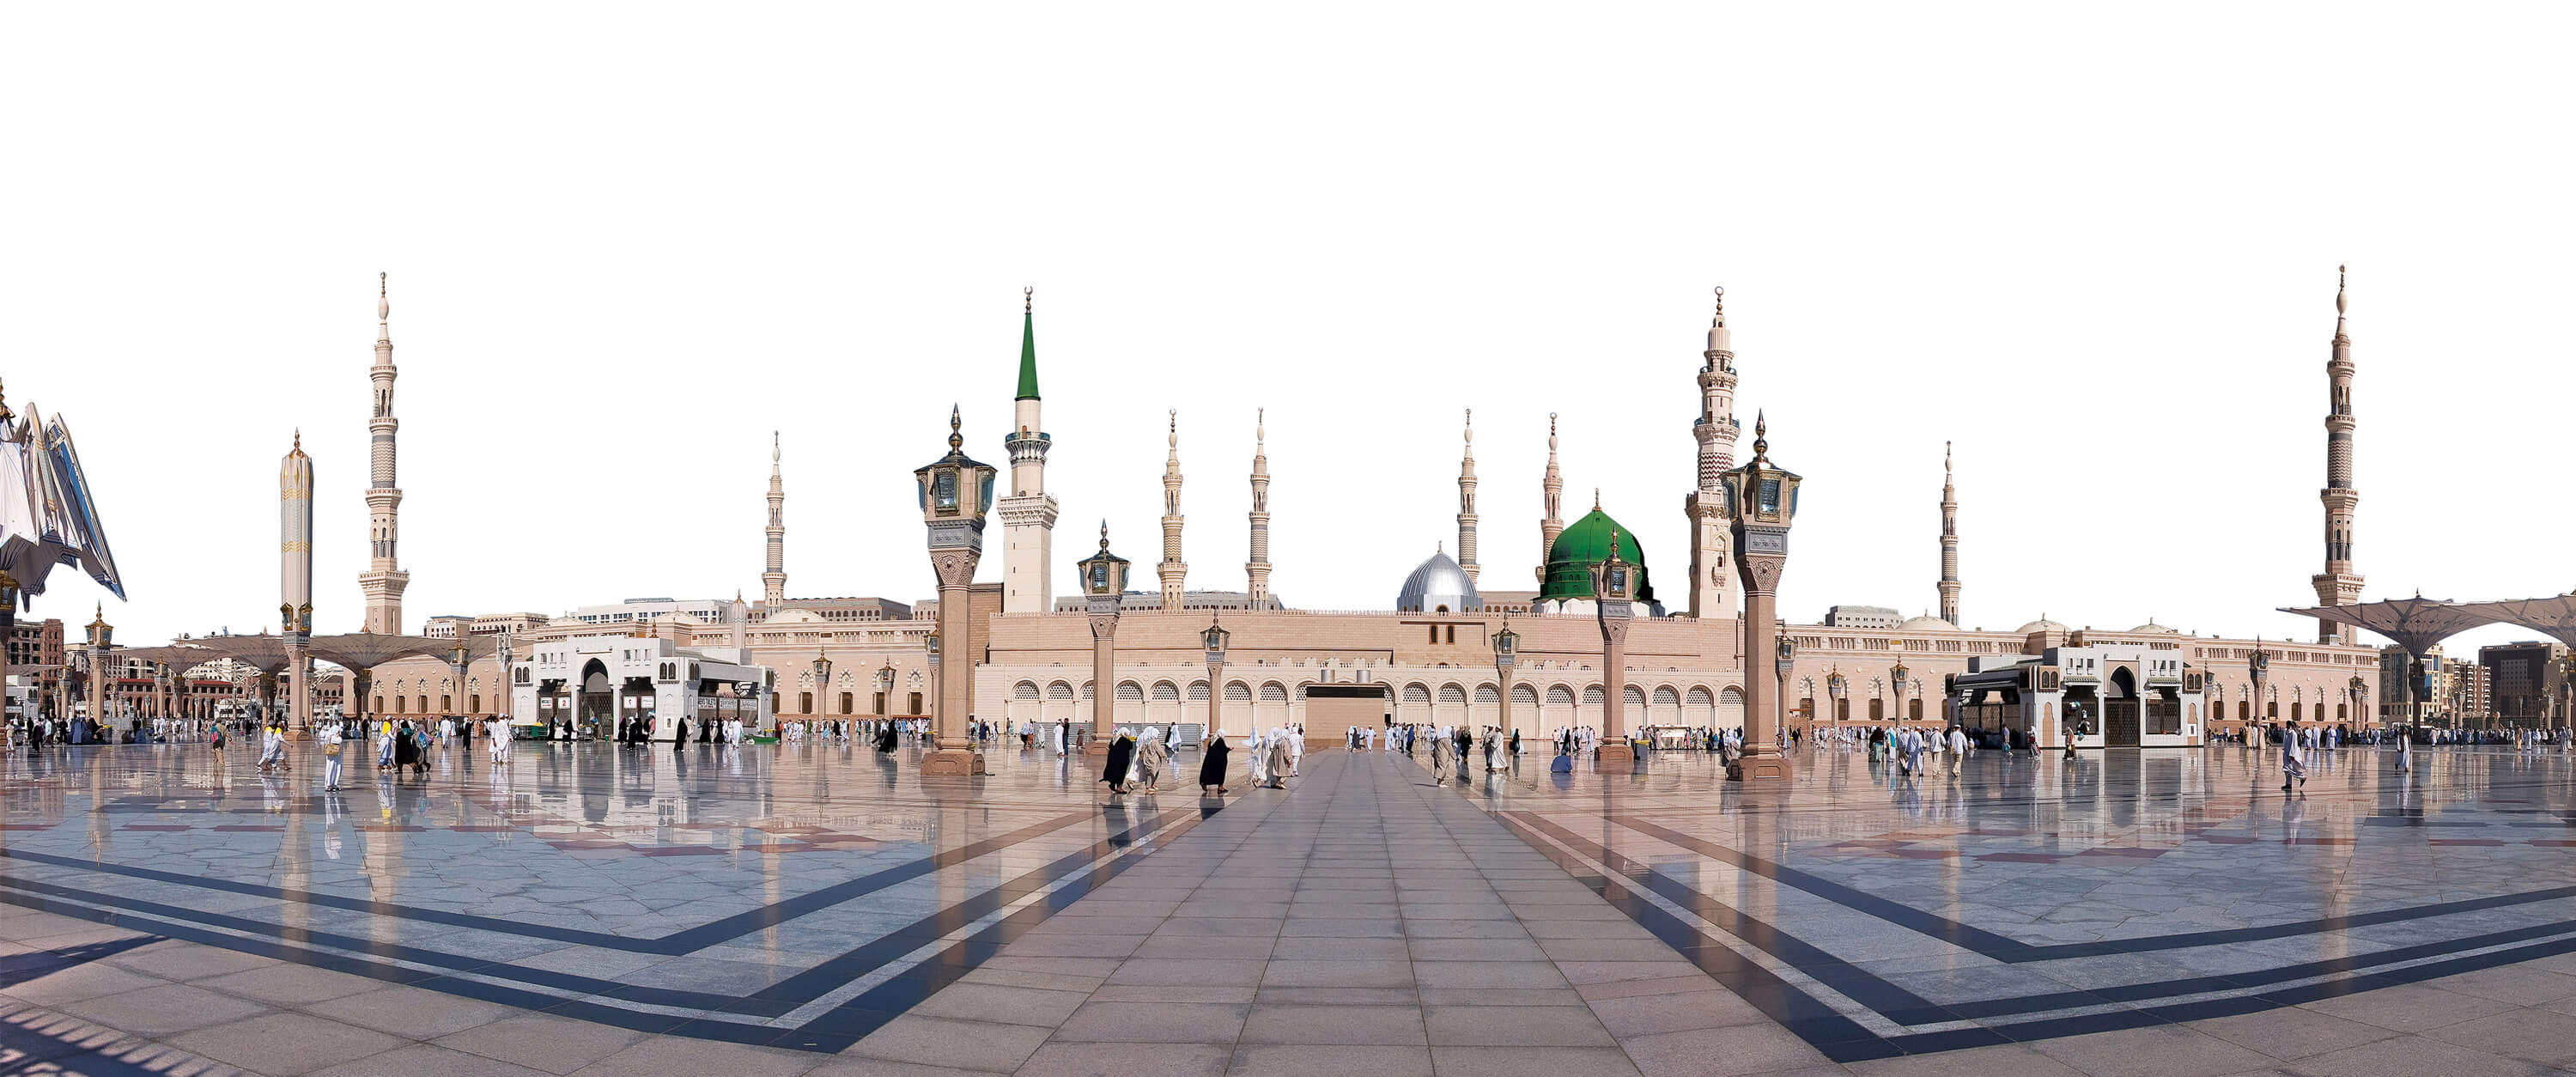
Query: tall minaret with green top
[[1028, 514]]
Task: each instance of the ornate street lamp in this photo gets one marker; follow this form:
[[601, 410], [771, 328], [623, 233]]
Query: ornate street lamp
[[1104, 580], [1836, 689], [101, 636], [1762, 500], [504, 653], [1507, 650], [1614, 594], [956, 492], [822, 681], [1214, 637], [459, 656], [1787, 660], [885, 689]]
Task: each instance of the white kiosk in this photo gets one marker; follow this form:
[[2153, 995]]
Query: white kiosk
[[597, 684]]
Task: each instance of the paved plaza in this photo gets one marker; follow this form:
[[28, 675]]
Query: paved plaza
[[805, 908]]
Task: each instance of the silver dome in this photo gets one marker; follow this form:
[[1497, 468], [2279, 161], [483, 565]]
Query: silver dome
[[1439, 584]]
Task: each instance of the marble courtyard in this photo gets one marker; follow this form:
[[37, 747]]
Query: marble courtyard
[[597, 909]]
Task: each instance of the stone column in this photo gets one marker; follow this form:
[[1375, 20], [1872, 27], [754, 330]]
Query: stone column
[[1758, 564], [1104, 674], [1506, 671], [1216, 698], [1614, 691], [956, 755]]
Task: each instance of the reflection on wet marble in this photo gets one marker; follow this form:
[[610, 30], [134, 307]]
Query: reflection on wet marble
[[2024, 897], [791, 896]]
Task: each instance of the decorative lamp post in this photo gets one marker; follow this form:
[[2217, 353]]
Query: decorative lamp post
[[2357, 687], [1896, 676], [1104, 579], [2258, 669], [822, 682], [503, 654], [1762, 500], [1507, 650], [1614, 593], [1788, 660], [1836, 689], [101, 636], [1214, 637], [295, 580], [459, 656], [885, 689], [956, 492]]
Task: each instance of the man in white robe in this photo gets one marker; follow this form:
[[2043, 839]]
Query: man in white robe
[[1282, 765], [1256, 754], [1296, 741]]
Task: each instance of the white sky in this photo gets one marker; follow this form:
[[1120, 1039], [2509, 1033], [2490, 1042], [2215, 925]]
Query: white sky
[[2097, 251]]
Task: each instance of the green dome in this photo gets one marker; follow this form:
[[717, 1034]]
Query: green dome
[[1585, 543]]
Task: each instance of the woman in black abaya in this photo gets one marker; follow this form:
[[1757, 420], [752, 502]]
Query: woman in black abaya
[[1212, 767], [1121, 751]]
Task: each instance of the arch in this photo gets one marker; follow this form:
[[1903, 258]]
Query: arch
[[1166, 692], [1634, 695], [1025, 690], [1593, 696], [1488, 694], [1060, 692], [1198, 691], [1525, 696], [1130, 692], [1086, 691], [1415, 694], [1274, 692], [1452, 695], [1665, 696], [1559, 695], [1238, 692]]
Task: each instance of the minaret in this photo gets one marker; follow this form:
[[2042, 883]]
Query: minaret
[[384, 579], [773, 583], [1173, 569], [1949, 542], [2338, 585], [1552, 523], [1716, 429], [1467, 502], [1257, 570], [295, 576], [1028, 515]]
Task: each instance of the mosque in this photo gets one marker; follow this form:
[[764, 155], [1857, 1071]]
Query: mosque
[[1430, 657]]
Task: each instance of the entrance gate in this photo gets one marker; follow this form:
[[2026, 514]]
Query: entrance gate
[[2120, 723]]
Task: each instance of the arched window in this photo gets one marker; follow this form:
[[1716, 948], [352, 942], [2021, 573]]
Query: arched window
[[1488, 694], [1525, 696], [1453, 695], [1198, 691], [1417, 695], [1166, 692], [1238, 692], [1025, 690], [1130, 692], [1593, 696], [1060, 692], [1274, 692], [1559, 695]]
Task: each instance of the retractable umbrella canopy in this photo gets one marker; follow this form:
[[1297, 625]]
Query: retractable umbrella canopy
[[48, 516], [2414, 623], [2554, 616]]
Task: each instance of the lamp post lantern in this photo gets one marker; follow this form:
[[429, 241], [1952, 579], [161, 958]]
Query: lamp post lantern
[[822, 681], [955, 492], [1896, 675], [2357, 687], [1104, 580], [1214, 637], [459, 657], [885, 689], [101, 636], [503, 653], [1614, 594], [1762, 500], [1507, 650], [2258, 669]]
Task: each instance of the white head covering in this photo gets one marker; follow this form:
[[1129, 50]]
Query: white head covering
[[1148, 735]]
